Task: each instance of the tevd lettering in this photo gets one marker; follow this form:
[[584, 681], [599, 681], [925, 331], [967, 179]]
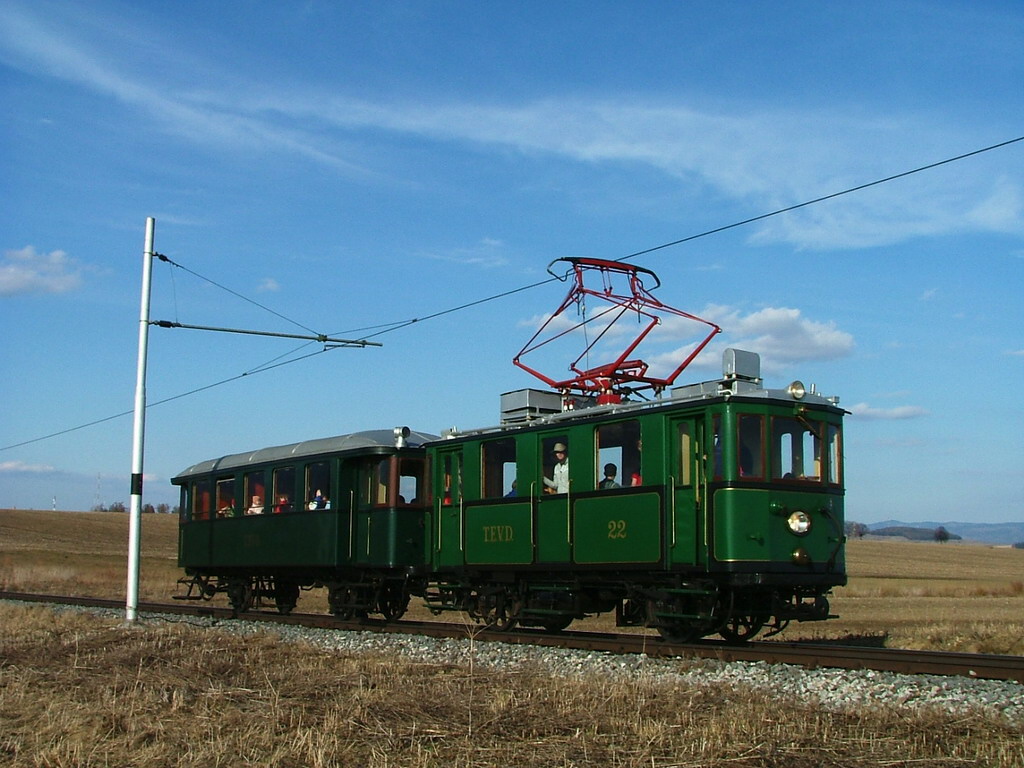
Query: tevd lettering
[[494, 534]]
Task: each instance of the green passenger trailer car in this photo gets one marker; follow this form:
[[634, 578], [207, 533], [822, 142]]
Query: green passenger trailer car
[[349, 513], [718, 508]]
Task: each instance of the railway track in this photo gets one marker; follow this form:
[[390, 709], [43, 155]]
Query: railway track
[[812, 655]]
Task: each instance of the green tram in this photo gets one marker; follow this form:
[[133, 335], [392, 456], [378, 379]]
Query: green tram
[[717, 508]]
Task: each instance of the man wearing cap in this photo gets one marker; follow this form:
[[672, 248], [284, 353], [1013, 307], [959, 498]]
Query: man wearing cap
[[559, 482]]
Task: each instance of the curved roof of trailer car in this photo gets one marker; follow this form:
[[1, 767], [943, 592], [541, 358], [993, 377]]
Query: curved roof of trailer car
[[351, 443]]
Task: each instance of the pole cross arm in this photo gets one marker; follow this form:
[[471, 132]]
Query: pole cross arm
[[320, 337]]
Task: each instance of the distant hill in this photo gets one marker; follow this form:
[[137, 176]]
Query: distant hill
[[913, 534], [990, 533]]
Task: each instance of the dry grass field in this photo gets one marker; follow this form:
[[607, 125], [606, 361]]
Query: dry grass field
[[965, 597], [81, 690], [85, 553]]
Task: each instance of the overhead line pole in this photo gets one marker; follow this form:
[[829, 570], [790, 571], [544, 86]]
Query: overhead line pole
[[139, 430]]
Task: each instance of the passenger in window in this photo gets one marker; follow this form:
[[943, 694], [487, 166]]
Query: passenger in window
[[559, 480], [636, 478], [256, 508], [512, 493], [282, 505], [317, 502], [610, 470]]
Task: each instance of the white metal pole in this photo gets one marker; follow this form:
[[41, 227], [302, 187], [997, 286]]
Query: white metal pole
[[139, 430]]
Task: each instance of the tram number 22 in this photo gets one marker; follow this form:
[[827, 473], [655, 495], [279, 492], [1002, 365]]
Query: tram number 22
[[616, 529]]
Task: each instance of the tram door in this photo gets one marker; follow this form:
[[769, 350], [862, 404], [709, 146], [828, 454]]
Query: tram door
[[447, 537], [686, 508]]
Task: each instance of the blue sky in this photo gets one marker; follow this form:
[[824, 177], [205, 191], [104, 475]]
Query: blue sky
[[354, 165]]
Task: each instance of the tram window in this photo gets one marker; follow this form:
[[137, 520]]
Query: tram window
[[555, 482], [835, 454], [410, 481], [184, 510], [202, 499], [225, 497], [255, 492], [373, 487], [284, 489], [796, 450], [318, 485], [751, 446], [498, 458], [685, 473], [716, 447], [619, 444], [452, 479]]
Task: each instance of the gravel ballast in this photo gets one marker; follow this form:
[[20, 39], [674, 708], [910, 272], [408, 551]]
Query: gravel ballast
[[838, 690]]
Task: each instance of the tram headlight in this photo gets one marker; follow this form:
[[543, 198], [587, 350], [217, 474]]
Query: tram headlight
[[799, 523], [796, 390]]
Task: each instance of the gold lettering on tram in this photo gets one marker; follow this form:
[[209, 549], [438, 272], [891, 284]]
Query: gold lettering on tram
[[498, 534]]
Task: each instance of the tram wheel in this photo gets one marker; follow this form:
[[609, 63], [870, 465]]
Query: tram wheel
[[740, 629], [340, 600], [499, 616], [286, 595], [672, 630], [557, 623], [241, 596], [393, 602]]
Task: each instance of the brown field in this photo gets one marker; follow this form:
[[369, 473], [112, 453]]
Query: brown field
[[80, 690], [901, 594]]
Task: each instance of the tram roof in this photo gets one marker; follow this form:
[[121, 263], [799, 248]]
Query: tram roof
[[351, 443]]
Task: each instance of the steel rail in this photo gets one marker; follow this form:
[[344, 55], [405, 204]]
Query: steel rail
[[811, 655]]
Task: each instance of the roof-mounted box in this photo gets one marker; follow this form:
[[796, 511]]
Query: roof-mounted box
[[528, 404], [739, 364]]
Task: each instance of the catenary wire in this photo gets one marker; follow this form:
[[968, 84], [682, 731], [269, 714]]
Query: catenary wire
[[259, 369], [234, 293], [397, 325]]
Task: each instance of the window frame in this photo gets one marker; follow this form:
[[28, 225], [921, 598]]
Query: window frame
[[278, 479], [619, 443], [754, 470], [495, 458], [222, 495], [798, 460], [322, 469]]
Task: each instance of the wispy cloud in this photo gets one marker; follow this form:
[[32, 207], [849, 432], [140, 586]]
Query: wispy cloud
[[763, 158], [27, 271], [487, 253], [768, 159], [21, 466], [61, 49], [865, 411]]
